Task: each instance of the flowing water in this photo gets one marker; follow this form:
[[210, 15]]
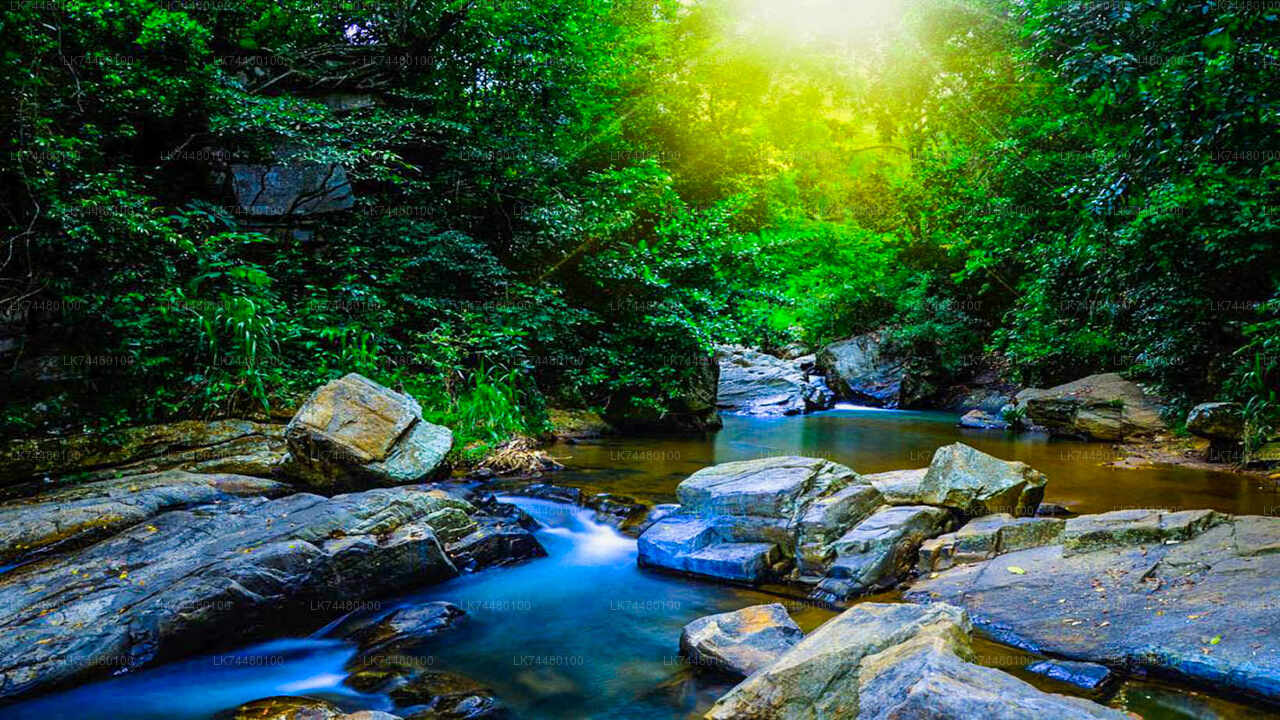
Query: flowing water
[[585, 633]]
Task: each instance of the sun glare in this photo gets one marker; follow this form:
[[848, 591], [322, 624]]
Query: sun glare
[[820, 20]]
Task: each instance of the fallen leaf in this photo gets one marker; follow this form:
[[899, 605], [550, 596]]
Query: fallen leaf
[[1016, 570]]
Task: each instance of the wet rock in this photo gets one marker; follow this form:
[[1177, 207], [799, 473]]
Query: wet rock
[[754, 383], [976, 483], [403, 627], [860, 369], [222, 446], [1187, 594], [438, 695], [739, 642], [619, 511], [982, 420], [825, 520], [353, 432], [1216, 421], [987, 400], [495, 541], [1046, 509], [877, 553], [195, 580], [986, 537], [77, 515], [878, 661], [1098, 407], [744, 521], [1089, 676], [571, 424], [288, 708]]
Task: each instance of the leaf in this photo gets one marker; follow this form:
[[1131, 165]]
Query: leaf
[[1016, 570], [1215, 640]]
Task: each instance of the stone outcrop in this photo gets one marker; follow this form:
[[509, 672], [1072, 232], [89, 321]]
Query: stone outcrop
[[755, 383], [739, 642], [861, 370], [878, 552], [1098, 407], [877, 661], [1189, 594], [982, 420], [77, 515], [291, 188], [1221, 421], [240, 447], [986, 537], [187, 581], [976, 483], [354, 433]]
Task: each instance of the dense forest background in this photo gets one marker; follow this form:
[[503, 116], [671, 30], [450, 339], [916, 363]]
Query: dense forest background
[[571, 201]]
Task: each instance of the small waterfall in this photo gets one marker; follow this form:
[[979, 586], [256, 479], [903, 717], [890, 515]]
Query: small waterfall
[[591, 542]]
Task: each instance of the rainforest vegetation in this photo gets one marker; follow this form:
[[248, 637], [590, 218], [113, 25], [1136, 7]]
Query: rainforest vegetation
[[562, 202]]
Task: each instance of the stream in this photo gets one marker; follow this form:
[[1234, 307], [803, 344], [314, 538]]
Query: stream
[[585, 633]]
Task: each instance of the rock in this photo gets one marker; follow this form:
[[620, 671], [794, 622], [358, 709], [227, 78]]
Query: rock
[[739, 642], [899, 487], [1216, 421], [976, 483], [743, 521], [878, 552], [1098, 407], [288, 708], [1186, 594], [1053, 510], [877, 661], [353, 432], [986, 537], [401, 628], [77, 515], [195, 580], [495, 541], [860, 369], [436, 695], [989, 400], [692, 410], [621, 512], [982, 420], [753, 383], [240, 447], [291, 188], [1090, 676], [573, 424]]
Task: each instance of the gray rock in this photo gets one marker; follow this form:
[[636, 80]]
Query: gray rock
[[740, 642], [436, 695], [976, 483], [877, 553], [877, 661], [860, 369], [402, 628], [77, 515], [291, 189], [772, 487], [1098, 407], [986, 537], [982, 420], [1188, 595], [754, 383], [353, 432], [1216, 421], [1090, 676], [899, 487], [194, 580]]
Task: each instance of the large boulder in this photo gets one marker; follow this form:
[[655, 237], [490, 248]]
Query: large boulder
[[877, 661], [189, 581], [976, 483], [878, 552], [749, 521], [1191, 594], [353, 432], [691, 410], [1098, 407], [740, 642], [862, 370], [291, 188], [754, 383], [1216, 421], [80, 514]]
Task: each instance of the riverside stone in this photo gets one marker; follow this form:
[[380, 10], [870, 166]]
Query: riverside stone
[[877, 552], [1090, 676], [976, 483], [755, 383], [1098, 407], [1216, 421], [986, 537], [861, 370], [740, 642]]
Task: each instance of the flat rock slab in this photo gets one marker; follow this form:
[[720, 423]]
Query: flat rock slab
[[1202, 609], [899, 487], [194, 580], [81, 514], [740, 642], [774, 487], [1089, 676], [877, 661], [986, 537]]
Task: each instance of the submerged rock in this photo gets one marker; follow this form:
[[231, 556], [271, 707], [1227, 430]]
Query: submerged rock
[[860, 369], [195, 580], [288, 708], [1089, 676], [437, 695], [877, 661], [754, 383], [80, 514], [1098, 407], [403, 627], [740, 642], [1188, 594], [1216, 421], [982, 420], [353, 432]]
